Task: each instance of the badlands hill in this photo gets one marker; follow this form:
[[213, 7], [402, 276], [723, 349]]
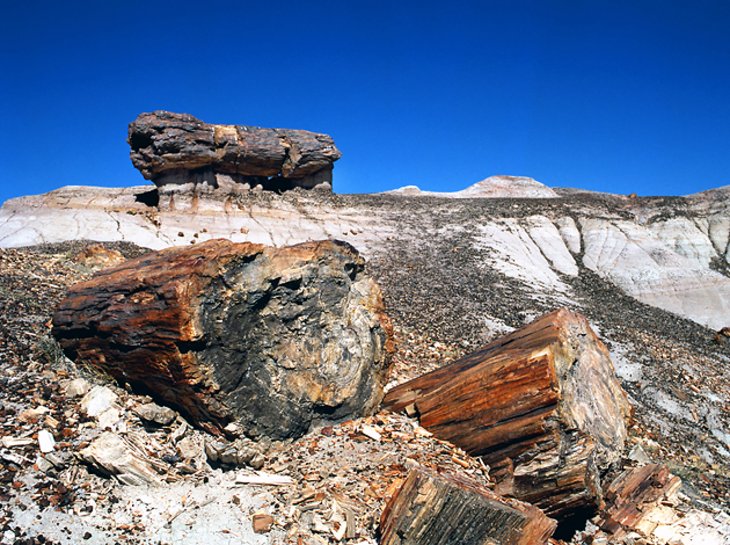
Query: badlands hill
[[668, 252]]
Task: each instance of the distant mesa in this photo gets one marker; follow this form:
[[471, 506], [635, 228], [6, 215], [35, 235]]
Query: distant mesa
[[496, 187], [178, 149]]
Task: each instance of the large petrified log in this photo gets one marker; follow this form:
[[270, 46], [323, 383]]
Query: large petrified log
[[541, 406], [440, 509], [274, 338], [172, 148]]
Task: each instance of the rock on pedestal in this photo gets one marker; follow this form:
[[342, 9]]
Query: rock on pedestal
[[542, 406], [277, 339], [171, 148]]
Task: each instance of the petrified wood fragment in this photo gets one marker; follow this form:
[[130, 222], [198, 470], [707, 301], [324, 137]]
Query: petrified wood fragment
[[633, 496], [274, 338], [440, 509], [169, 147], [541, 406]]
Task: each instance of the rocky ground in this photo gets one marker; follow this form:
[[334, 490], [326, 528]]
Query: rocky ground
[[328, 486], [674, 370], [445, 299]]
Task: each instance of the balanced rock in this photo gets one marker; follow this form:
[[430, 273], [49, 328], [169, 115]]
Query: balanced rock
[[447, 509], [172, 148], [542, 406], [274, 339]]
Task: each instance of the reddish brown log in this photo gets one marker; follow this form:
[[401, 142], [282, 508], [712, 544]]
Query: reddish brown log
[[277, 339], [541, 406], [440, 509]]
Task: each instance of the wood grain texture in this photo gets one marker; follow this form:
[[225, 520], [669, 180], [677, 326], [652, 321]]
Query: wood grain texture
[[541, 406], [276, 339], [441, 509]]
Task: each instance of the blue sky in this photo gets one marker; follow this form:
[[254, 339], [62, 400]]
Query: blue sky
[[612, 96]]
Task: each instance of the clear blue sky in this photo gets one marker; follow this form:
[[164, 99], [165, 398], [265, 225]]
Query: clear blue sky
[[612, 96]]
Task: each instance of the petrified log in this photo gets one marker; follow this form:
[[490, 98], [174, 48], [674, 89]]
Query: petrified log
[[634, 496], [178, 148], [439, 509], [276, 339], [542, 406]]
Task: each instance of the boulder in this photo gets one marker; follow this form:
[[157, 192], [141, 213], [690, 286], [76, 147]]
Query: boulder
[[273, 339], [542, 406], [172, 148]]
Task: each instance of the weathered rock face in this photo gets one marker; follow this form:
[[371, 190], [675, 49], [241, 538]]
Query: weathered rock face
[[276, 339], [542, 406], [171, 148]]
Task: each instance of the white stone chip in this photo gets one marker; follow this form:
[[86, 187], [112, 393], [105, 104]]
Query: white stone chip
[[46, 442]]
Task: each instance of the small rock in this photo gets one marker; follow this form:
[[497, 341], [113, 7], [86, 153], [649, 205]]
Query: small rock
[[59, 460], [639, 455], [11, 442], [155, 414], [262, 523], [318, 525], [97, 256], [242, 452], [371, 432], [30, 416], [43, 465], [46, 442], [98, 400], [77, 387], [179, 432], [234, 428], [113, 455], [108, 419], [190, 448]]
